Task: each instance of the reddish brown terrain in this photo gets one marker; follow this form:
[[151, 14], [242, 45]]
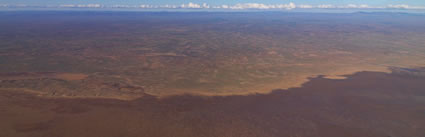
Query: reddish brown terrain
[[218, 74], [366, 104], [127, 54]]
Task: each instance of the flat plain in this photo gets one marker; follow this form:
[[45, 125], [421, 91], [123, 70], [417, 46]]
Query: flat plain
[[366, 104], [223, 74], [130, 54]]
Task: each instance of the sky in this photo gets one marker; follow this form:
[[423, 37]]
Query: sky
[[216, 2], [235, 4]]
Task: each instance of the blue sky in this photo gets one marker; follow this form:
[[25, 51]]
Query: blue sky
[[216, 2]]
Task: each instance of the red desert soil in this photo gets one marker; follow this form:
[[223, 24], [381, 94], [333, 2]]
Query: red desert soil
[[71, 76], [38, 75], [366, 104]]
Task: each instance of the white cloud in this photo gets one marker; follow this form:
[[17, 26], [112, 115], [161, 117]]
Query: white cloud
[[249, 6], [354, 6], [191, 5], [351, 6], [305, 6], [67, 6], [204, 5], [169, 6], [81, 6], [404, 6], [145, 6], [326, 6], [364, 6], [124, 6], [90, 6], [222, 7], [239, 6]]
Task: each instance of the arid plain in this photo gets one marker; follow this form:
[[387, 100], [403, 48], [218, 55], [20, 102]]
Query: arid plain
[[128, 54], [99, 73]]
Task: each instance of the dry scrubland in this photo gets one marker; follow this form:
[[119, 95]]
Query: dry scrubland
[[127, 55], [111, 74]]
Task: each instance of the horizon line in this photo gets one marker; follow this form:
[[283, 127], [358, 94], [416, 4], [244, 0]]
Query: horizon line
[[204, 6]]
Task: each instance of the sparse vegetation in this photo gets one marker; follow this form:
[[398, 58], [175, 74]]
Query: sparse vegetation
[[198, 53]]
